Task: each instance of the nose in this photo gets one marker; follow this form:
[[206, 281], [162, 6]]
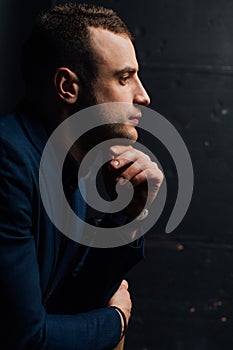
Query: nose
[[141, 97]]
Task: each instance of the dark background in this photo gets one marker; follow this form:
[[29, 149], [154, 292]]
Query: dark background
[[183, 290]]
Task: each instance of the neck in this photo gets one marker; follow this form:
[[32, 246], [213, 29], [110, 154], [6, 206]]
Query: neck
[[50, 114]]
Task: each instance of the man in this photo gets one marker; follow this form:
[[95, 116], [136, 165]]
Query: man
[[55, 293]]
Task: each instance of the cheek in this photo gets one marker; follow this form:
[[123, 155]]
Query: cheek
[[112, 93]]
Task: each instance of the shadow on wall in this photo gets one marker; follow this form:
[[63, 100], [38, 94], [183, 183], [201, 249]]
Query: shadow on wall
[[15, 24]]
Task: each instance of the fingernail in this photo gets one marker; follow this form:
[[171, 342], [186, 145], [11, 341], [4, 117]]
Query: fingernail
[[115, 162]]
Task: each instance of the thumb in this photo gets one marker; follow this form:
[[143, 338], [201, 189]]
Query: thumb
[[124, 284]]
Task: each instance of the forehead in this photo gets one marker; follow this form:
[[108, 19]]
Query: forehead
[[113, 49]]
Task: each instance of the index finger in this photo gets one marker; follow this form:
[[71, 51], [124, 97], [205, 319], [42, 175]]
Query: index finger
[[116, 150]]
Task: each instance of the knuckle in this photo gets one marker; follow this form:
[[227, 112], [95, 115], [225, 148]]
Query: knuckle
[[155, 165], [160, 175], [143, 155]]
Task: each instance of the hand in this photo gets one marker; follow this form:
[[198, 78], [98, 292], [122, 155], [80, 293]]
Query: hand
[[135, 166], [122, 300]]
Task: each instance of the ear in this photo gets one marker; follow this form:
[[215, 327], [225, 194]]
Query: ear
[[67, 85]]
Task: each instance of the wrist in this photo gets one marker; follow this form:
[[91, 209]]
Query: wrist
[[124, 324]]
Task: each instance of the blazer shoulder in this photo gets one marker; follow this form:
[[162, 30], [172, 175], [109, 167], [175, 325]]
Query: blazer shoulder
[[11, 129], [18, 156], [23, 134]]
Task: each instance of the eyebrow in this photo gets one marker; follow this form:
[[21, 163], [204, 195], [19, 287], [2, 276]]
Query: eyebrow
[[130, 70]]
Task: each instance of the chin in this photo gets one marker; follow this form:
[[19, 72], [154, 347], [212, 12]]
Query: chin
[[124, 131]]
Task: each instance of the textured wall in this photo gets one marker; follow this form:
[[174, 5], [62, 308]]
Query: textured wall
[[183, 291]]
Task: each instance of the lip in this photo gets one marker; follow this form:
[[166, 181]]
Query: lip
[[135, 119]]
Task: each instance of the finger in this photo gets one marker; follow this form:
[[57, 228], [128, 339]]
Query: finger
[[129, 156], [131, 171], [118, 149], [137, 167], [124, 284], [148, 175]]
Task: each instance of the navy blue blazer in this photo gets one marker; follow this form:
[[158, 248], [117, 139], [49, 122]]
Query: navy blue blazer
[[53, 291]]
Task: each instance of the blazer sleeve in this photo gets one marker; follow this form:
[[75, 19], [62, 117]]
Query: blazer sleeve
[[25, 325]]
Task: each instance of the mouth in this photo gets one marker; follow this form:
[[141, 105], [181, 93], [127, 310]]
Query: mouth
[[135, 119]]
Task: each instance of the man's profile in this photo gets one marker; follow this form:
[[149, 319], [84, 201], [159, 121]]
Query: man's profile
[[57, 294]]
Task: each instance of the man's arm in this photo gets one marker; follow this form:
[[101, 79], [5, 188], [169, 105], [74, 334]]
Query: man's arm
[[24, 321]]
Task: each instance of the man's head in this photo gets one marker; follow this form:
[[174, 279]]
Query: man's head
[[84, 55], [61, 38]]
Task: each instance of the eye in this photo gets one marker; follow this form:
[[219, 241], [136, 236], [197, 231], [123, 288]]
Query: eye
[[124, 79]]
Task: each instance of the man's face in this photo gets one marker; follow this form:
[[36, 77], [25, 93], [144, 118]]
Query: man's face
[[117, 79]]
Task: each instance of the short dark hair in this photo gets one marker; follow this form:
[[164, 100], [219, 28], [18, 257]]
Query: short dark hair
[[60, 37]]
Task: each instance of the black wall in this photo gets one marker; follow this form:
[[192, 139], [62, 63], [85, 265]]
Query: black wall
[[183, 290], [16, 18]]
